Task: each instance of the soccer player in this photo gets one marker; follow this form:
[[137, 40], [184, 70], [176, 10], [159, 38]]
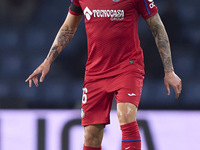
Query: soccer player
[[115, 66]]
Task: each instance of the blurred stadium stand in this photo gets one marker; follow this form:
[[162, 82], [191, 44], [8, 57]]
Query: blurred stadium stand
[[26, 37]]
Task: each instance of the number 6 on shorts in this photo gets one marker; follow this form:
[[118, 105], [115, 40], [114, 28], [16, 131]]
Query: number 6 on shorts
[[84, 98]]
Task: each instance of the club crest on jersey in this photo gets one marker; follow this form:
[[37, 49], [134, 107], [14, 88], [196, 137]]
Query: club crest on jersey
[[114, 15]]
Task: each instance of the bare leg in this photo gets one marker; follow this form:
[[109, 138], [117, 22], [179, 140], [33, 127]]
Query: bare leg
[[126, 113], [93, 135], [130, 132]]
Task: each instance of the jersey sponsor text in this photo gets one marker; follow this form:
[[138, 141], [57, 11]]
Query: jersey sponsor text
[[112, 14]]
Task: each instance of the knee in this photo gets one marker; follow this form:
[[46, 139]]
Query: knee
[[125, 117], [126, 113], [93, 138]]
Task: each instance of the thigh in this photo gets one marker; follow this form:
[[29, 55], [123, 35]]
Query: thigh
[[96, 103], [129, 88]]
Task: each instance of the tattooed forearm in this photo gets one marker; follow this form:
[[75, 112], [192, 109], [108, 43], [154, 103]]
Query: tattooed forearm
[[62, 39], [65, 37], [53, 51], [162, 41]]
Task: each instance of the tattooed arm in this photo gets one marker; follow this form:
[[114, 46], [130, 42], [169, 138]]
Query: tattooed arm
[[63, 37], [163, 45], [162, 41]]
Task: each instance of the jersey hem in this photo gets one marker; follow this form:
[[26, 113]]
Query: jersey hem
[[108, 74]]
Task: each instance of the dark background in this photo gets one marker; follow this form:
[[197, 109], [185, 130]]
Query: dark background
[[28, 28]]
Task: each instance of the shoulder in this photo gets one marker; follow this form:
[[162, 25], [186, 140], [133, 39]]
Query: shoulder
[[146, 8]]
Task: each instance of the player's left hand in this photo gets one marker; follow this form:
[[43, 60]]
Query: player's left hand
[[171, 79]]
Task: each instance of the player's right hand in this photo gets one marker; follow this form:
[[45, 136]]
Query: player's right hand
[[42, 69]]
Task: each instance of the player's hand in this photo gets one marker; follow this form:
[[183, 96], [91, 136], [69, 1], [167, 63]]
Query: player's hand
[[42, 69], [171, 79]]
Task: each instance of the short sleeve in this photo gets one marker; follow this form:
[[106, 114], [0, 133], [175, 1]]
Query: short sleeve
[[146, 8], [75, 8]]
